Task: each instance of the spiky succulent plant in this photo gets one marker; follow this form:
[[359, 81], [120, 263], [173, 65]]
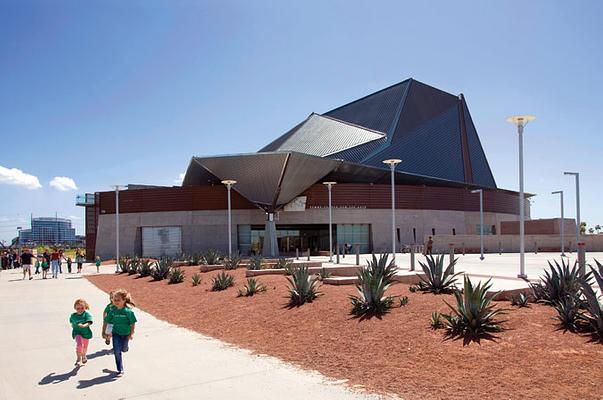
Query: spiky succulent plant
[[161, 268], [196, 279], [594, 310], [303, 287], [437, 278], [436, 321], [474, 315], [324, 273], [133, 266], [176, 275], [255, 263], [253, 286], [232, 262], [222, 281], [145, 268], [568, 313], [559, 282], [520, 300], [212, 257], [374, 280]]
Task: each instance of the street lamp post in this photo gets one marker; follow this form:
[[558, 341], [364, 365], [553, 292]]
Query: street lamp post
[[329, 187], [521, 121], [577, 176], [117, 187], [562, 227], [392, 165], [229, 183], [481, 221]]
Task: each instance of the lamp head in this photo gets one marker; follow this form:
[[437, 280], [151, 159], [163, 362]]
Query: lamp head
[[476, 191], [228, 182], [571, 173], [520, 119], [391, 161], [329, 183], [557, 192]]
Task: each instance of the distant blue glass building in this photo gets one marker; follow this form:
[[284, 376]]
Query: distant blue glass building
[[48, 230]]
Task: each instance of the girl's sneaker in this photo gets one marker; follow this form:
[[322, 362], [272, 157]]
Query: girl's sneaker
[[120, 373], [77, 362], [107, 341], [84, 360]]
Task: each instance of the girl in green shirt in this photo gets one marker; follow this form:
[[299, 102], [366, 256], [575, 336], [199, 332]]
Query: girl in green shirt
[[123, 323], [80, 322], [98, 264]]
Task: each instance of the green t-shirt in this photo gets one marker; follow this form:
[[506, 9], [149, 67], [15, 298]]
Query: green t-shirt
[[122, 320], [109, 307], [98, 263], [75, 319]]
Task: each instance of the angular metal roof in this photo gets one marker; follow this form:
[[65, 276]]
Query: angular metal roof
[[323, 136]]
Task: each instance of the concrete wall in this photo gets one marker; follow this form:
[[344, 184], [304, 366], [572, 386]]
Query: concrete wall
[[510, 243], [202, 230]]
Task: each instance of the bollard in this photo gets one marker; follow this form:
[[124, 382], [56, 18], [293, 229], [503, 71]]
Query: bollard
[[357, 254], [297, 253], [337, 254], [582, 258], [308, 254], [463, 248], [412, 257], [451, 254], [535, 247], [499, 248]]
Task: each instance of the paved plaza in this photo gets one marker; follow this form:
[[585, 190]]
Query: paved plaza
[[164, 361]]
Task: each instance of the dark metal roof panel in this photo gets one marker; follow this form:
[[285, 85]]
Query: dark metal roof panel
[[482, 174], [322, 136], [358, 153], [376, 111], [432, 149]]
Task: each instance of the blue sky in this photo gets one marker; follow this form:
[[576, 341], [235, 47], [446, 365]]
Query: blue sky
[[126, 92]]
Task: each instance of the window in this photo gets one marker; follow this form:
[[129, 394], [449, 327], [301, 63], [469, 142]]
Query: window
[[433, 231], [414, 235], [453, 232]]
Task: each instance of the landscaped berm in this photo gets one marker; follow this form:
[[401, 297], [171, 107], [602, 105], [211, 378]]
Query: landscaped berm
[[388, 337]]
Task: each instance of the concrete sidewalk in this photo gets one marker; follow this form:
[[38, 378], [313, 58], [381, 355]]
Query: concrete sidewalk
[[164, 361]]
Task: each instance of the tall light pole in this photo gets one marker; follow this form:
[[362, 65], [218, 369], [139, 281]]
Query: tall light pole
[[577, 176], [329, 187], [562, 227], [481, 221], [117, 187], [521, 121], [392, 165], [229, 183]]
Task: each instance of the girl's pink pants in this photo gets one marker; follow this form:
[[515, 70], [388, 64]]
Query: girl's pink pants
[[81, 345]]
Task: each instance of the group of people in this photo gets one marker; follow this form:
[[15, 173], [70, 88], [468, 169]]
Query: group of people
[[48, 260], [118, 326]]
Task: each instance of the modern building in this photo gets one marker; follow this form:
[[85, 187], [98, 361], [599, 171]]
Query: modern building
[[279, 203], [48, 230]]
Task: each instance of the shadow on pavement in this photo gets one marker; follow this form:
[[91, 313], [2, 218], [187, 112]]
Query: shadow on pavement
[[99, 353], [54, 378], [110, 376]]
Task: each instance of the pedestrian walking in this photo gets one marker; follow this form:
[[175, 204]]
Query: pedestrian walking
[[123, 320], [98, 264], [54, 263], [80, 322], [60, 261], [69, 264], [26, 258], [45, 268], [429, 246], [79, 259]]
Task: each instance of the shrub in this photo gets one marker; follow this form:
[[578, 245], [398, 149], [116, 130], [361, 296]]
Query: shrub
[[251, 287], [196, 279], [568, 313], [403, 301], [194, 259], [161, 269], [222, 281], [474, 315], [437, 279], [145, 269], [232, 262], [211, 257], [594, 311], [176, 275], [520, 300], [324, 273], [290, 269], [255, 263], [133, 266], [124, 265], [303, 287], [436, 321], [374, 280], [559, 282], [282, 263]]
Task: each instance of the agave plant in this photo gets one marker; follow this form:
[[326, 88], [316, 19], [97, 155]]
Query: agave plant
[[380, 267], [520, 300], [568, 312], [212, 257], [303, 287], [255, 263], [559, 282], [145, 268], [194, 259], [161, 269], [124, 265], [252, 287], [176, 275], [222, 281], [594, 314], [232, 262], [403, 301], [474, 315], [436, 321], [437, 279], [196, 279], [133, 266], [324, 273], [290, 269], [282, 263]]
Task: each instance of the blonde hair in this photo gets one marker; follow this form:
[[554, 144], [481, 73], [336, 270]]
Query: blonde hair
[[123, 294], [81, 302]]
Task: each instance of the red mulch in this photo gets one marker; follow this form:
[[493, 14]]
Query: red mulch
[[397, 354]]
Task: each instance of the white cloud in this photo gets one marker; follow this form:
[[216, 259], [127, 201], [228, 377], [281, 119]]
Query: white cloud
[[63, 183], [180, 179], [14, 176]]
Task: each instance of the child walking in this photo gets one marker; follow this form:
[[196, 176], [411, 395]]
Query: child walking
[[45, 268], [123, 320], [98, 263], [107, 328], [80, 323]]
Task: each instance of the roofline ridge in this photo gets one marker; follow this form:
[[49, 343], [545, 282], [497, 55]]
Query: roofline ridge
[[382, 134], [369, 95]]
